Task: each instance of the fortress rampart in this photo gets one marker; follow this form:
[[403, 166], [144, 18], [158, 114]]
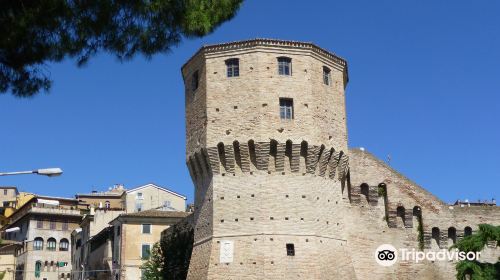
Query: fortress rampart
[[266, 147]]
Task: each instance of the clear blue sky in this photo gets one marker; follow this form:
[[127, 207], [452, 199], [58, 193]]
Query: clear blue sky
[[424, 88]]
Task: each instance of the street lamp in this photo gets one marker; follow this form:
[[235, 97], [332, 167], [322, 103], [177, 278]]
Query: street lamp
[[14, 229], [51, 172]]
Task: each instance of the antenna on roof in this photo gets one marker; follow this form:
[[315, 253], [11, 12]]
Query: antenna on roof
[[389, 159]]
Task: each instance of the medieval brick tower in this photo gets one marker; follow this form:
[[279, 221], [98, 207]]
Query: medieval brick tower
[[276, 194], [266, 148]]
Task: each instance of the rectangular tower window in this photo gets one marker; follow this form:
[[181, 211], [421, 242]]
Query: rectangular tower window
[[327, 77], [233, 67], [194, 80], [284, 66], [290, 249], [286, 108]]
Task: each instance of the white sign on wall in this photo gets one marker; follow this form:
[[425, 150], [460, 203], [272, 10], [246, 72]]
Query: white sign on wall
[[226, 251]]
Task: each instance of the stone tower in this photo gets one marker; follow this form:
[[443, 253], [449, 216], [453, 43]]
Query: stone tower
[[266, 141]]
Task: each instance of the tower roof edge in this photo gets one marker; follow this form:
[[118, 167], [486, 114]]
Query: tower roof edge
[[270, 42]]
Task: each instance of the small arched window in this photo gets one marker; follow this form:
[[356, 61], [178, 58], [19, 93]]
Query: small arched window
[[452, 235], [327, 76], [417, 211], [195, 80], [51, 244], [63, 245], [107, 204], [284, 66], [436, 235], [38, 244], [365, 190], [467, 231], [233, 67], [400, 212]]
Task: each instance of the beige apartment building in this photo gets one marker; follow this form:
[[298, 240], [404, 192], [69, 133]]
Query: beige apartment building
[[8, 250], [91, 229], [152, 196], [8, 195], [111, 199], [45, 225], [134, 235]]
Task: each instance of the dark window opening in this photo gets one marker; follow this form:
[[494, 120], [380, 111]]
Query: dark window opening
[[436, 235], [286, 108], [233, 67], [452, 235], [146, 251], [365, 190], [285, 66], [467, 231], [51, 244], [195, 80], [64, 245], [290, 249], [38, 244], [146, 228], [327, 76]]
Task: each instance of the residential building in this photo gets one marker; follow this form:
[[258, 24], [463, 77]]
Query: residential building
[[45, 225], [8, 196], [8, 250], [8, 193], [134, 234], [111, 199], [86, 237], [10, 206], [152, 196]]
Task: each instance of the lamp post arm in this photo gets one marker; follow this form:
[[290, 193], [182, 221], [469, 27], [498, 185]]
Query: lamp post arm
[[16, 173]]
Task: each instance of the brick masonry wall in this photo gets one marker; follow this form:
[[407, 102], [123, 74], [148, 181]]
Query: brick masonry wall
[[263, 182]]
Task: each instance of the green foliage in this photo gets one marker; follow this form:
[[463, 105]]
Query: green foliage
[[381, 191], [152, 268], [2, 275], [420, 229], [177, 249], [169, 259], [476, 243], [38, 32], [478, 271]]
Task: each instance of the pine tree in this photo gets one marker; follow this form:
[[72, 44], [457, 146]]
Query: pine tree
[[152, 268], [34, 33], [476, 243]]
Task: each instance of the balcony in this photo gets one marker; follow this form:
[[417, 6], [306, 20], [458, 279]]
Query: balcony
[[40, 208], [54, 210]]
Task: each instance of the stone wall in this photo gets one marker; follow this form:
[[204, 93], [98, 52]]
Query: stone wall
[[263, 182]]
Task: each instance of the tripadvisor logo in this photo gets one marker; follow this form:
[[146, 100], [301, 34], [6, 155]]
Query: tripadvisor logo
[[387, 255]]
